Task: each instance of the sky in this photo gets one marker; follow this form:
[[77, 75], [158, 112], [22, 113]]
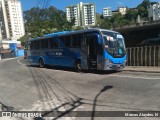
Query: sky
[[100, 4]]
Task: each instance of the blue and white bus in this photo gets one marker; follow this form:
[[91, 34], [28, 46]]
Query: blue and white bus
[[84, 49]]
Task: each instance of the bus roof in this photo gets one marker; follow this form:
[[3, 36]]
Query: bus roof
[[58, 33], [70, 32]]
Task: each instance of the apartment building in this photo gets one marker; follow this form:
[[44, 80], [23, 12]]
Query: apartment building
[[72, 13], [122, 10], [154, 12], [11, 20], [107, 12], [84, 14]]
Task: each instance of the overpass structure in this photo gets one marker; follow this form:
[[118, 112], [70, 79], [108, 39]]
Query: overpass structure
[[136, 33]]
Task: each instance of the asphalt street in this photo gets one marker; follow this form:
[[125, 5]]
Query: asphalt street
[[30, 88]]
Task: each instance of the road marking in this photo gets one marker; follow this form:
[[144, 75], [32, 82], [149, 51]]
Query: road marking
[[8, 59], [20, 62], [133, 77]]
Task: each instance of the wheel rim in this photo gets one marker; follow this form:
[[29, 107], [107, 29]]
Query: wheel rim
[[41, 63], [78, 66]]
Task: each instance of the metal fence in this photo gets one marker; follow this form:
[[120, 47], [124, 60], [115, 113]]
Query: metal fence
[[143, 56]]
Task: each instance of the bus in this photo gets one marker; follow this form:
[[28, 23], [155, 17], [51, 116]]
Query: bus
[[94, 48]]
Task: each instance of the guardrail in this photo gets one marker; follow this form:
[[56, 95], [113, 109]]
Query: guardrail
[[143, 56]]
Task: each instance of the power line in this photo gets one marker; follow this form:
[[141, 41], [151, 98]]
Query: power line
[[43, 3]]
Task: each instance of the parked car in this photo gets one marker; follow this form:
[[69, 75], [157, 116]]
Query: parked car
[[151, 42]]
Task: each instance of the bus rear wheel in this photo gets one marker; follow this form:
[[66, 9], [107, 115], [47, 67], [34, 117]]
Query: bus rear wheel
[[78, 66], [41, 63]]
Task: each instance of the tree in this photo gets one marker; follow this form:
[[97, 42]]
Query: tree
[[142, 8], [45, 21], [105, 24], [131, 15], [118, 20], [23, 39]]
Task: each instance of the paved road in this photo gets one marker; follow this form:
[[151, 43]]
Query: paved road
[[24, 87]]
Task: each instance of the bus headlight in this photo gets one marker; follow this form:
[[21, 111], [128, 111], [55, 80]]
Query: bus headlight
[[108, 61]]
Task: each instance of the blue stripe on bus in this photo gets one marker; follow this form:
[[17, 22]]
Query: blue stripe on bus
[[115, 60], [67, 58]]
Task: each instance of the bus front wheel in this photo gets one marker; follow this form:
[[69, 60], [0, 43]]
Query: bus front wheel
[[78, 66], [41, 63]]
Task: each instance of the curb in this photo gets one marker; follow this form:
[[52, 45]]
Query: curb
[[143, 69], [8, 59]]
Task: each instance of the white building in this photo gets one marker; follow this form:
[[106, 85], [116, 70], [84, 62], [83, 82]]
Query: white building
[[72, 12], [83, 13], [107, 12], [11, 20], [154, 12], [5, 43], [122, 10]]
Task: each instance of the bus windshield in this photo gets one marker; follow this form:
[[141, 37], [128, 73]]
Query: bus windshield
[[114, 43]]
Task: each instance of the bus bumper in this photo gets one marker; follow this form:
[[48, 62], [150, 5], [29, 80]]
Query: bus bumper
[[112, 66]]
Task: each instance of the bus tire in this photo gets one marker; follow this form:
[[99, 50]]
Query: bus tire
[[41, 63], [78, 66]]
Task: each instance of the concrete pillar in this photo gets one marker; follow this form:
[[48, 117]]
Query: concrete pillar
[[150, 56], [159, 56], [141, 56], [154, 54], [138, 59], [145, 56], [134, 56]]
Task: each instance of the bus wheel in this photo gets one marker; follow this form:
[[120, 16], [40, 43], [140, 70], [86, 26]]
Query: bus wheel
[[41, 63], [78, 66]]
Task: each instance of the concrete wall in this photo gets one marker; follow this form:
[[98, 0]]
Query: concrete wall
[[143, 56]]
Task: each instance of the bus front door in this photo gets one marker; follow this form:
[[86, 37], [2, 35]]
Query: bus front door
[[100, 58], [84, 54], [94, 51]]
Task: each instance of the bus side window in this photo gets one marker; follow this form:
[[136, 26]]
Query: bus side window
[[75, 41], [68, 40], [62, 41], [83, 42], [53, 43], [38, 45], [31, 45], [42, 44], [34, 45], [56, 42], [46, 43]]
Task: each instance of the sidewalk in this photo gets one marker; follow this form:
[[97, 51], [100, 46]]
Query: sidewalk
[[143, 69]]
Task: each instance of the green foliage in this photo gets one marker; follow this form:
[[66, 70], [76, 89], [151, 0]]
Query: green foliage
[[129, 18], [78, 28], [49, 20], [23, 39], [45, 21], [142, 8], [105, 24], [131, 15], [118, 20]]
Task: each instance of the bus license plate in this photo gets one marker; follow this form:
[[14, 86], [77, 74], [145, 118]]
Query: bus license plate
[[118, 66]]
